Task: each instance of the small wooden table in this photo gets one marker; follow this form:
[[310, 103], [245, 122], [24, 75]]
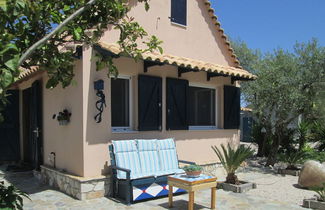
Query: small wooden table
[[191, 185]]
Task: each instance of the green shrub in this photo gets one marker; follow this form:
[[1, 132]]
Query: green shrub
[[192, 167], [11, 197], [312, 154]]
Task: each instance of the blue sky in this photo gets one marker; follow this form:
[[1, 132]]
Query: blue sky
[[269, 24]]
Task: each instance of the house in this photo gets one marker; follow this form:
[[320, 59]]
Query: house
[[189, 93]]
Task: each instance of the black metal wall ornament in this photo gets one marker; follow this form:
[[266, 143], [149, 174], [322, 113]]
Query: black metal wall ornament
[[99, 87]]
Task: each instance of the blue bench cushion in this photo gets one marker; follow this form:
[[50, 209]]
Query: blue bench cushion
[[149, 159], [167, 155], [127, 156]]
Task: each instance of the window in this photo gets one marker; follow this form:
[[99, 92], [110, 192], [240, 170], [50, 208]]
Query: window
[[202, 106], [120, 103], [178, 11]]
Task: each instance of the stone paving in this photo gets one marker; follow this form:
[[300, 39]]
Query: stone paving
[[42, 197]]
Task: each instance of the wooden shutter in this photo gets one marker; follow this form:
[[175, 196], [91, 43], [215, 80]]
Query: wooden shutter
[[149, 100], [177, 96], [9, 129], [231, 107], [178, 11]]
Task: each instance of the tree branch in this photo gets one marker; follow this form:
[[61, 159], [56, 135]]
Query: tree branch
[[39, 43]]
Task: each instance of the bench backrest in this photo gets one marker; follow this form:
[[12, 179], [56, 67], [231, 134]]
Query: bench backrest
[[167, 154], [149, 158], [146, 156], [126, 156]]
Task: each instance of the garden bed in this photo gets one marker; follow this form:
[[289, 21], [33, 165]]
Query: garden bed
[[242, 187], [289, 172], [313, 203]]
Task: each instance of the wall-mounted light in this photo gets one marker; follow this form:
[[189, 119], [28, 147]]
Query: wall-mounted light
[[99, 87]]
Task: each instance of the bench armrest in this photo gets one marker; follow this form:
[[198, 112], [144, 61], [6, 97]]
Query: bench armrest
[[127, 171], [186, 162]]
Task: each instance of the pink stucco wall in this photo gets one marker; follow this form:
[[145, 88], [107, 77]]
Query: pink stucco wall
[[82, 146], [200, 39], [191, 144]]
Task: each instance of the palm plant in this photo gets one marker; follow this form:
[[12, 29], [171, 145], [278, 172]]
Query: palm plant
[[302, 131], [292, 158], [231, 158], [320, 191], [319, 135]]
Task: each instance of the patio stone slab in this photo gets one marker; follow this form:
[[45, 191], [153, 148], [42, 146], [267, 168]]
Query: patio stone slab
[[44, 197]]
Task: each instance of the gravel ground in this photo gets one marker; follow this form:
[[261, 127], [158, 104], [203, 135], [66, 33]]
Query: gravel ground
[[271, 185]]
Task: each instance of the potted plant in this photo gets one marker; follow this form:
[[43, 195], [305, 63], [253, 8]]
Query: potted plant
[[318, 202], [64, 117], [231, 159], [292, 159], [192, 170]]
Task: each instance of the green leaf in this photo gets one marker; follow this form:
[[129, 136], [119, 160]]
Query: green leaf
[[160, 50], [21, 3], [146, 6], [12, 48], [3, 5], [66, 8], [7, 78], [12, 63], [77, 33]]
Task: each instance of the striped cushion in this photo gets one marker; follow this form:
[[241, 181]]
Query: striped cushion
[[167, 155], [127, 156], [148, 152]]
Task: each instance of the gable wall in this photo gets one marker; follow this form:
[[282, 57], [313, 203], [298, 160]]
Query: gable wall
[[198, 40]]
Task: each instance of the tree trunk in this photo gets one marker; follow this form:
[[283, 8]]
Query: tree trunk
[[302, 142], [271, 160], [232, 179]]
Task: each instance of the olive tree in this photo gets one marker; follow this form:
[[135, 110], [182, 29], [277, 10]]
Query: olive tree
[[289, 85]]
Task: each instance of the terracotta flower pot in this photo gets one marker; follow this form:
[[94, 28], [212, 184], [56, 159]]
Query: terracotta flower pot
[[193, 173]]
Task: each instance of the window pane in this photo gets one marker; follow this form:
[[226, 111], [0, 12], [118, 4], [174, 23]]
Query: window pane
[[120, 102], [201, 106]]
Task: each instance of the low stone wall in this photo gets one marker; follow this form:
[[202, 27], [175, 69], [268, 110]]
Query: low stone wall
[[213, 169], [77, 187]]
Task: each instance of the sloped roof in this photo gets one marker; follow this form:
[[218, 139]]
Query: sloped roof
[[185, 62], [27, 72], [220, 30]]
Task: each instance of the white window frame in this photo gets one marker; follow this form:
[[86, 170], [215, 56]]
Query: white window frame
[[179, 24], [125, 129], [207, 127]]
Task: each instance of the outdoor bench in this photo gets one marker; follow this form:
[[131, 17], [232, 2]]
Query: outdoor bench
[[141, 167]]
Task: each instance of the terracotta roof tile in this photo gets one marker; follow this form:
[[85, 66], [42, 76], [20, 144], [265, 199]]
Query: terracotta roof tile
[[217, 23], [184, 62]]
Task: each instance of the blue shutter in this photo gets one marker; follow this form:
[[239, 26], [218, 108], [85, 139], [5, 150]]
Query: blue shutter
[[231, 107], [9, 129], [177, 96], [179, 11], [149, 100]]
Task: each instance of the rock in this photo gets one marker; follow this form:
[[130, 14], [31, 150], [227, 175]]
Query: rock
[[87, 187], [312, 174], [99, 186]]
